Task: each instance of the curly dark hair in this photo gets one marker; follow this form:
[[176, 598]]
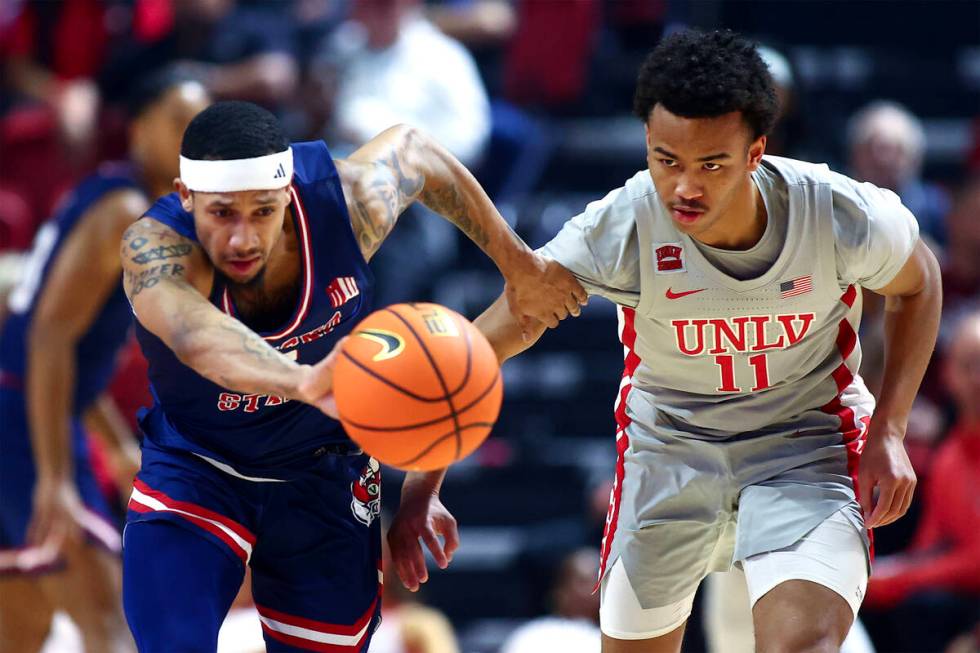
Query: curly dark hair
[[706, 74], [233, 130]]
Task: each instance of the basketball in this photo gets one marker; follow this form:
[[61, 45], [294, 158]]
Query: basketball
[[417, 386]]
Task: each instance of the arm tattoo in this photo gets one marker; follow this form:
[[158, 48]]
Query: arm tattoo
[[138, 282], [448, 202], [386, 191], [159, 253]]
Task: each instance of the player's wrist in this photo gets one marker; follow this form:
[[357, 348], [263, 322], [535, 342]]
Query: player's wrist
[[422, 484]]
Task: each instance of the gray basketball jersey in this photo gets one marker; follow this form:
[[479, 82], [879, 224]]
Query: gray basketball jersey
[[719, 356]]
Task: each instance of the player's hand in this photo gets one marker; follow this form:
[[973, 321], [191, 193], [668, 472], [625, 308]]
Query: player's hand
[[421, 518], [886, 480], [55, 507], [543, 290], [316, 387]]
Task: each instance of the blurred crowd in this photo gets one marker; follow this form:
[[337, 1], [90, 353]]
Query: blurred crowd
[[534, 97]]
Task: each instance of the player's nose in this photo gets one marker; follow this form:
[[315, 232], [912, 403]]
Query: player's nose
[[687, 188]]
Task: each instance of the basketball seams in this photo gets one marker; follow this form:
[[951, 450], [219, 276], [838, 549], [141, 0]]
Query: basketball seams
[[442, 438], [438, 372], [469, 356], [432, 422], [389, 383]]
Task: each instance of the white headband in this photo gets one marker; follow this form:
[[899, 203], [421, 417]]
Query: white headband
[[258, 173]]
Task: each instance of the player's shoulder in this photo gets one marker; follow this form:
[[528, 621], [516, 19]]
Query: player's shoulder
[[851, 199], [168, 211], [312, 163], [623, 204]]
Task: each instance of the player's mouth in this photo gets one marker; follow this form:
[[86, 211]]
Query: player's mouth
[[686, 214], [244, 266]]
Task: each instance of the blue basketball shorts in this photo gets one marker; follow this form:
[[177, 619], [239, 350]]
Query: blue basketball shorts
[[17, 479], [313, 544]]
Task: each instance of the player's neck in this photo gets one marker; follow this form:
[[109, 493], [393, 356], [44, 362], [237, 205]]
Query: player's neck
[[743, 224]]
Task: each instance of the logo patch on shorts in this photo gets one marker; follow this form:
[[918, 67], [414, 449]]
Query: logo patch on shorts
[[366, 493]]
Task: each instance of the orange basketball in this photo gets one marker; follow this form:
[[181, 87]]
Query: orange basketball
[[417, 386]]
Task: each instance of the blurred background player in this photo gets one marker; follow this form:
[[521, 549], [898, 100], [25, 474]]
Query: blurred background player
[[741, 444], [242, 282], [921, 598], [68, 318]]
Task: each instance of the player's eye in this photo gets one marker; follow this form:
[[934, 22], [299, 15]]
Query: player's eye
[[265, 211], [668, 163], [221, 213], [711, 166]]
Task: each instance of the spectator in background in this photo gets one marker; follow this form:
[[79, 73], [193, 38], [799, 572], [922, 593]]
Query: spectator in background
[[241, 53], [573, 625], [50, 53], [928, 594], [391, 66], [887, 143], [386, 65], [961, 264]]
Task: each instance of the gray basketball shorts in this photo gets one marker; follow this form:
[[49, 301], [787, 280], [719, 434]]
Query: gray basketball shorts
[[684, 506]]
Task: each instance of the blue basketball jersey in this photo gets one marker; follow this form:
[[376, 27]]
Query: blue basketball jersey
[[98, 347], [264, 434]]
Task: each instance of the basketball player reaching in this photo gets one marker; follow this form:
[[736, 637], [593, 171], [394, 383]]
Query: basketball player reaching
[[68, 318], [741, 417], [242, 282]]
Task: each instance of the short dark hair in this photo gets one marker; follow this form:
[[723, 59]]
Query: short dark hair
[[233, 130], [697, 74], [152, 87]]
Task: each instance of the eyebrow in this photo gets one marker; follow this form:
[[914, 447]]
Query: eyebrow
[[264, 200], [710, 157]]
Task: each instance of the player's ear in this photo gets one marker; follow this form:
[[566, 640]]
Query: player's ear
[[186, 202], [756, 149]]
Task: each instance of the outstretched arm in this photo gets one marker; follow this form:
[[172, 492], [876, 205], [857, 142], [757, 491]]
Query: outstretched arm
[[402, 165], [167, 277]]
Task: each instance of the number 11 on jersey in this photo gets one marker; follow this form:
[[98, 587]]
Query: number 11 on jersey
[[726, 364]]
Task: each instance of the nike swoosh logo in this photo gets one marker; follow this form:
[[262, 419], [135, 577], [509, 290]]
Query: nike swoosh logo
[[684, 293], [391, 343]]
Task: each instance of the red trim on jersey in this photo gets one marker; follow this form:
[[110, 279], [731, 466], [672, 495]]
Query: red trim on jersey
[[304, 238], [631, 362], [854, 434], [197, 515]]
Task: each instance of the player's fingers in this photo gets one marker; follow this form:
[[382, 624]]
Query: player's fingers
[[903, 499], [552, 321], [580, 295], [418, 566], [402, 555], [435, 547], [328, 405], [865, 492], [573, 307], [883, 508], [450, 535]]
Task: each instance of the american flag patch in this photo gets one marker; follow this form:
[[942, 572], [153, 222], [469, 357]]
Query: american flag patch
[[794, 287], [341, 290]]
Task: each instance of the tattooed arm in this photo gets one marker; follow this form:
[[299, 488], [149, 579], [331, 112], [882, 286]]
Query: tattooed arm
[[167, 278], [402, 165]]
